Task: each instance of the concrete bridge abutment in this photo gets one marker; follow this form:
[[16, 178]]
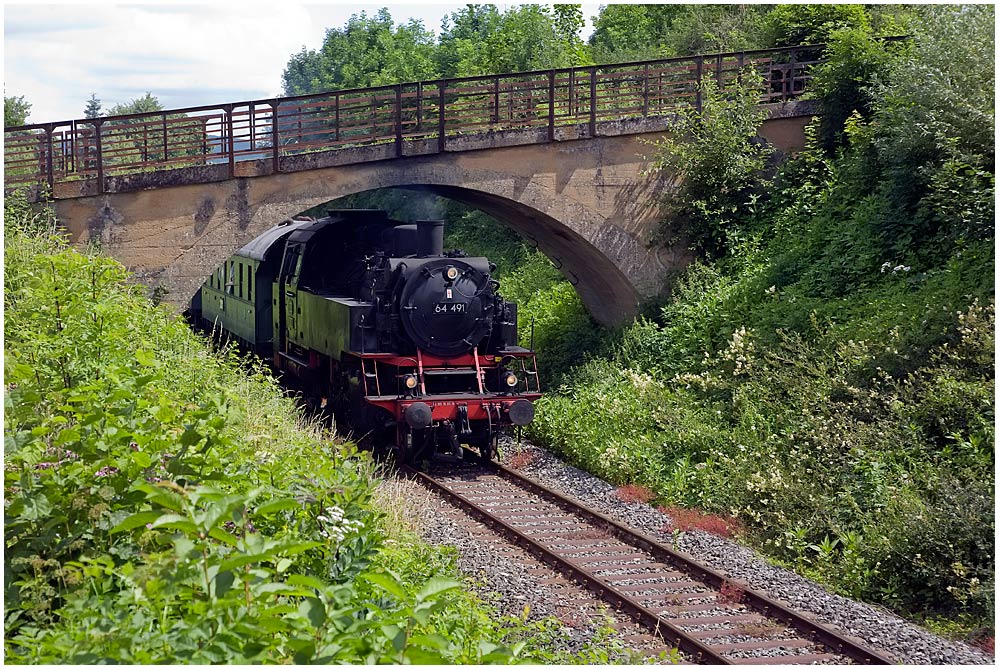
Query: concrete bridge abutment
[[587, 202]]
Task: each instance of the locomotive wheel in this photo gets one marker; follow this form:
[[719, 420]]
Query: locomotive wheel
[[339, 403], [403, 444], [486, 451], [415, 446], [486, 444]]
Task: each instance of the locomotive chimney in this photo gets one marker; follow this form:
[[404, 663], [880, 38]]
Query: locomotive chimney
[[430, 236]]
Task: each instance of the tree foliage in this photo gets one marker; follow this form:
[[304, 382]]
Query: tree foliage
[[93, 108], [15, 111], [714, 162], [367, 51], [141, 105], [940, 98], [789, 25], [855, 61], [633, 32], [477, 39], [463, 33]]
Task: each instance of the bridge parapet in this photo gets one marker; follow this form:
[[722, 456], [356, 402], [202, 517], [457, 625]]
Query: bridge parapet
[[89, 156], [557, 155]]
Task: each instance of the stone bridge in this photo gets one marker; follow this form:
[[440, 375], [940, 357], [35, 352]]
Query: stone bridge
[[560, 156]]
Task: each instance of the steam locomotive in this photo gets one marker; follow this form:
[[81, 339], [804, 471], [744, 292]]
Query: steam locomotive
[[374, 321]]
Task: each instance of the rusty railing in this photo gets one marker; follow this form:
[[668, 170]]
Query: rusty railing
[[400, 114]]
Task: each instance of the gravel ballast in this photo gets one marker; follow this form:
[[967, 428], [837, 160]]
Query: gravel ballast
[[499, 572], [905, 642]]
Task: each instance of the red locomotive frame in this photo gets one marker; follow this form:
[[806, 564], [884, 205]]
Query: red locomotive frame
[[445, 405]]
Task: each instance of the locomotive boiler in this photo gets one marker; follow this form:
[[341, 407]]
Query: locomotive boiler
[[374, 321]]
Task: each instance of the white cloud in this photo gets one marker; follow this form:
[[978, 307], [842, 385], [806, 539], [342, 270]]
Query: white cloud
[[186, 55]]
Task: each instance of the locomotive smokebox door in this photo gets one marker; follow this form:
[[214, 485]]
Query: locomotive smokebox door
[[442, 309]]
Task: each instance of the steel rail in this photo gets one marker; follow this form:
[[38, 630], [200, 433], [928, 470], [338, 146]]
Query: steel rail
[[754, 598], [646, 616]]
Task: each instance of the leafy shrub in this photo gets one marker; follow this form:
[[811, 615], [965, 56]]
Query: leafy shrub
[[163, 503], [549, 307], [789, 25], [854, 61], [940, 101], [715, 164]]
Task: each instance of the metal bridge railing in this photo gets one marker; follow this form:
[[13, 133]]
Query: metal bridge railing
[[271, 129]]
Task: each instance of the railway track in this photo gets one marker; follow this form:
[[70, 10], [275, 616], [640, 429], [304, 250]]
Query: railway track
[[709, 617]]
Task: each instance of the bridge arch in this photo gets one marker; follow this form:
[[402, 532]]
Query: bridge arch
[[587, 205], [562, 163], [587, 201]]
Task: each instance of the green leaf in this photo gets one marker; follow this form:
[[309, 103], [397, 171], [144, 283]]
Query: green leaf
[[387, 582], [162, 496], [277, 588], [486, 647], [422, 611], [435, 641], [275, 505], [220, 510], [183, 546], [305, 652], [307, 581], [223, 536], [173, 521], [36, 507], [145, 358], [190, 437], [223, 583], [314, 610], [395, 634], [417, 655], [70, 435], [140, 458], [295, 547], [136, 520], [240, 560], [435, 586]]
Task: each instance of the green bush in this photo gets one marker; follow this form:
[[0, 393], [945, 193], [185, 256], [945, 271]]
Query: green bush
[[165, 505], [788, 25], [714, 164], [817, 451], [830, 380], [854, 61]]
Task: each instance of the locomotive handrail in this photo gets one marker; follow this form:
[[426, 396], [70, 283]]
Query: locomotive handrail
[[268, 130]]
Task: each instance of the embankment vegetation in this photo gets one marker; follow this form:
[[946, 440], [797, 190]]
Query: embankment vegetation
[[164, 503], [825, 373]]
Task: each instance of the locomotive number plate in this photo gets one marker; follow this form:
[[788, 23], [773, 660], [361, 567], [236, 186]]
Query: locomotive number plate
[[449, 308]]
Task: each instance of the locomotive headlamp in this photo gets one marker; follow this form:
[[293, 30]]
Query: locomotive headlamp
[[451, 273], [510, 379], [410, 381]]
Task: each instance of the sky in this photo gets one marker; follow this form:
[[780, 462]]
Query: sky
[[186, 55]]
